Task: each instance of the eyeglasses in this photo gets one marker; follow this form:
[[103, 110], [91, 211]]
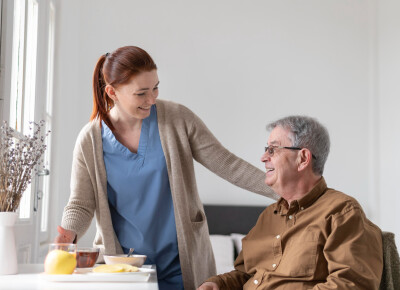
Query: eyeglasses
[[271, 149]]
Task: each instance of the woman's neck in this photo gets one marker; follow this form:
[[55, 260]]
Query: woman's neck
[[123, 122]]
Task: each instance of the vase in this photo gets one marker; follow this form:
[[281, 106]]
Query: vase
[[8, 250]]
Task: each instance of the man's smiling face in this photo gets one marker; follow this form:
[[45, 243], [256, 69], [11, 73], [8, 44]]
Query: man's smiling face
[[281, 166]]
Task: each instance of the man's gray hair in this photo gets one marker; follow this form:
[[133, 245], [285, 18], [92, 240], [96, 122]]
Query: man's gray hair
[[307, 132]]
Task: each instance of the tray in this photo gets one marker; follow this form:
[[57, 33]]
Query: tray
[[142, 275]]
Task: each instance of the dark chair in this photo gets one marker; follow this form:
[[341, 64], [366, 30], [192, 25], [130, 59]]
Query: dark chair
[[391, 263]]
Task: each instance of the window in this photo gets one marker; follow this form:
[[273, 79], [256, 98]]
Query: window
[[17, 64], [26, 86], [1, 61], [48, 118], [23, 76]]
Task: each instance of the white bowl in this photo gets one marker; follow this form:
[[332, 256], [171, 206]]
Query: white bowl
[[134, 260]]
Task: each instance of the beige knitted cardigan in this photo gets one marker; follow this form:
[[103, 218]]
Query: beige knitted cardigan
[[184, 137]]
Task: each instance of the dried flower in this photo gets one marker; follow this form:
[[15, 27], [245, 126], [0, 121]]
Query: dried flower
[[19, 156]]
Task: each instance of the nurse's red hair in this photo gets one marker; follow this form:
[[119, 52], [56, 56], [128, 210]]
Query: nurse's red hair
[[115, 69]]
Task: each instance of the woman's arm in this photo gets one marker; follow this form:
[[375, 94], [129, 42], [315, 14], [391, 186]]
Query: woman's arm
[[208, 151], [79, 211]]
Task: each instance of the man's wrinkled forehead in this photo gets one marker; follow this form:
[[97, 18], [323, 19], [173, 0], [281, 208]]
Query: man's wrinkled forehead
[[275, 142], [279, 136]]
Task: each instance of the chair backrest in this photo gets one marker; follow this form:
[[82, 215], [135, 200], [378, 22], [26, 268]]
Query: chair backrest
[[391, 263]]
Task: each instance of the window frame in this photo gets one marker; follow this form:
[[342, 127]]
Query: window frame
[[43, 92]]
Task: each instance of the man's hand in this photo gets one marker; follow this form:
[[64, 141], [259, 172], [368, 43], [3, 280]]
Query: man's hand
[[208, 286], [64, 236]]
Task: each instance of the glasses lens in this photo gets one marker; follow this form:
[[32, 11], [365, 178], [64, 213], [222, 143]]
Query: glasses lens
[[270, 150]]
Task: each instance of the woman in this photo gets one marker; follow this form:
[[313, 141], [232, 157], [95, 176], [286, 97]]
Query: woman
[[133, 167]]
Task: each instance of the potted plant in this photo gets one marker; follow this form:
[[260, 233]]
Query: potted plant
[[20, 156]]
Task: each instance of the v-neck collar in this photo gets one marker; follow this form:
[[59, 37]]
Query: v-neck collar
[[143, 141]]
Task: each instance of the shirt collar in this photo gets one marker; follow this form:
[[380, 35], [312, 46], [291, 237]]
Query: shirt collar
[[282, 206]]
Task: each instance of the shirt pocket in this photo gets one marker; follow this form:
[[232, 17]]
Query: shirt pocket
[[300, 255]]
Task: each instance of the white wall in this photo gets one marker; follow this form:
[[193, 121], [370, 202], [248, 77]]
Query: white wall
[[388, 152], [240, 65]]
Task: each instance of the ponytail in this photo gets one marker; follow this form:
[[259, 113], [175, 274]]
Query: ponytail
[[102, 103]]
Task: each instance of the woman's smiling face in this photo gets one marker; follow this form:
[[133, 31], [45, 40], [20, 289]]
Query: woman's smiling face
[[135, 98]]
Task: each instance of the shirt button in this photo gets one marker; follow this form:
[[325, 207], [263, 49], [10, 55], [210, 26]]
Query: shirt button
[[255, 282], [290, 217], [278, 236], [302, 208], [274, 266]]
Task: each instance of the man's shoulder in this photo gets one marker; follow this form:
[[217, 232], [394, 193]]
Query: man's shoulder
[[337, 196], [344, 205], [340, 204]]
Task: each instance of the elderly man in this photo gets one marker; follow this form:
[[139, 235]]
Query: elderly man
[[314, 237]]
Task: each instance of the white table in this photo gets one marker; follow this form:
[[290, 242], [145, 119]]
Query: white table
[[28, 277]]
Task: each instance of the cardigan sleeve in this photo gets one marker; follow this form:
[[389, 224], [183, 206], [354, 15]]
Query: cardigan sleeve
[[79, 211], [209, 152]]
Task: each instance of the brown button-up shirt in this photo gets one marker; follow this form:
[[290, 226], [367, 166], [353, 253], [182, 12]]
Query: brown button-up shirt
[[322, 241]]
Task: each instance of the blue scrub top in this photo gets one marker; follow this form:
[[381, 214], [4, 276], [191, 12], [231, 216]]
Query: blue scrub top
[[140, 200]]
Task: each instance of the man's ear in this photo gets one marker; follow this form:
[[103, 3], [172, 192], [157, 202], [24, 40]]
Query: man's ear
[[111, 93], [304, 159]]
